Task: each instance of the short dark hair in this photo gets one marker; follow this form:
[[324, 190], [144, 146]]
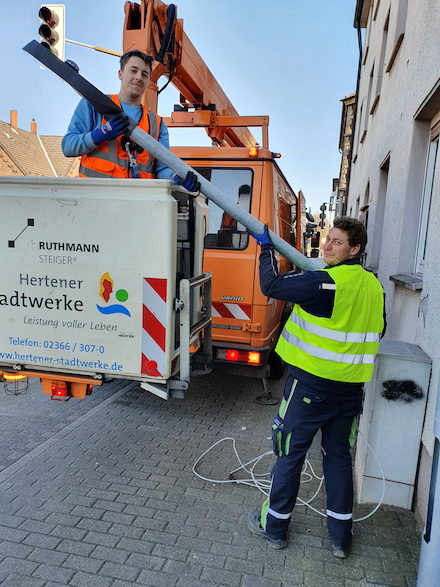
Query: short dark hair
[[355, 230], [147, 59]]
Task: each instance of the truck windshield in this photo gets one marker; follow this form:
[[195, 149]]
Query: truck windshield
[[225, 232]]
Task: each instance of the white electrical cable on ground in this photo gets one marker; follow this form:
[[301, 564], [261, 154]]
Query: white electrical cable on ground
[[383, 480], [262, 480]]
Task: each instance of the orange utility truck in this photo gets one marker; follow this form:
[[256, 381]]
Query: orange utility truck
[[245, 323]]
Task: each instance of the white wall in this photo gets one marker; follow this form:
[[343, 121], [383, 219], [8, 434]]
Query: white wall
[[394, 134]]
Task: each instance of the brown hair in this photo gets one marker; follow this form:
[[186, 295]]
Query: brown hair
[[147, 59], [355, 230]]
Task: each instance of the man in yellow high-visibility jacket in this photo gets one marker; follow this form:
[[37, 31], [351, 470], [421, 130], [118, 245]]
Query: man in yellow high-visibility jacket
[[329, 343]]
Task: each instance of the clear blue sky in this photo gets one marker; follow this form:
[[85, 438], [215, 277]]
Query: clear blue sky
[[293, 60]]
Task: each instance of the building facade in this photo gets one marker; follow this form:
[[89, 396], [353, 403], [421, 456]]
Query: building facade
[[395, 179]]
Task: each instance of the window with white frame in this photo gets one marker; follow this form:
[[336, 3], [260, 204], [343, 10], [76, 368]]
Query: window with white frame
[[367, 110], [426, 203], [400, 24], [377, 10], [381, 64], [356, 214]]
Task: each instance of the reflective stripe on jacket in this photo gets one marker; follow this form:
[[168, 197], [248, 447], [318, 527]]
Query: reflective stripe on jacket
[[344, 346], [110, 159]]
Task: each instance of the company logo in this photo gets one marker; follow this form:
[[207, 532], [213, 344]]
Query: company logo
[[232, 298], [30, 222], [105, 292], [83, 247]]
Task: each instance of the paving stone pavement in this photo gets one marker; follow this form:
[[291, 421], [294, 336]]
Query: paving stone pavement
[[101, 493]]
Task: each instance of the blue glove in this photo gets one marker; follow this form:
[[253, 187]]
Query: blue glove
[[264, 238], [110, 130], [190, 182]]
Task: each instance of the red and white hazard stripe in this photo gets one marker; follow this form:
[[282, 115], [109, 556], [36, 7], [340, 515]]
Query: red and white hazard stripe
[[154, 326], [237, 311]]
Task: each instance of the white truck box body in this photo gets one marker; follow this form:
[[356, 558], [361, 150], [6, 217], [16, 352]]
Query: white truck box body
[[88, 277]]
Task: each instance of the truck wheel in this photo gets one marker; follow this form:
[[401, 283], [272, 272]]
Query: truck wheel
[[276, 365]]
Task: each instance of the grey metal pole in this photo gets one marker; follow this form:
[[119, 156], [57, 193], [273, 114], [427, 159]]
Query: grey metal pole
[[253, 225], [105, 105]]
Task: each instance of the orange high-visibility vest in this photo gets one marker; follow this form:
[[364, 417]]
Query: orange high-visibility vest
[[110, 159]]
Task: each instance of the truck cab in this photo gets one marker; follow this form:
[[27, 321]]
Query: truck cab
[[245, 323]]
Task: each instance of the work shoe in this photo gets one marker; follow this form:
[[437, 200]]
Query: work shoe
[[254, 525], [340, 552]]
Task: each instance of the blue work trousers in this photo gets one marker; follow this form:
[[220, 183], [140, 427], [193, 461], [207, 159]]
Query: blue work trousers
[[303, 411]]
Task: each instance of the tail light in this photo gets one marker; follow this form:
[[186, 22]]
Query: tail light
[[60, 390], [234, 355]]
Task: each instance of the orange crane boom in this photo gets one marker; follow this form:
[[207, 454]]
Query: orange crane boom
[[153, 27]]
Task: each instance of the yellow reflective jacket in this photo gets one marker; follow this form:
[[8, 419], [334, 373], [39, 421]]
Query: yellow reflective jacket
[[344, 346]]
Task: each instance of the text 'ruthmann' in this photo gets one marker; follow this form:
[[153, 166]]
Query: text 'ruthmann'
[[84, 248]]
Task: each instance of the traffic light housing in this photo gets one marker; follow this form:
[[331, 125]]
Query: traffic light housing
[[323, 208], [314, 241], [310, 229], [52, 25]]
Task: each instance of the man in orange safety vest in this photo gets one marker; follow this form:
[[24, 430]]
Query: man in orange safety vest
[[104, 148]]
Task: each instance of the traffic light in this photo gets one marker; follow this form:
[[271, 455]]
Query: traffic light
[[310, 229], [314, 241], [52, 28], [323, 208]]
